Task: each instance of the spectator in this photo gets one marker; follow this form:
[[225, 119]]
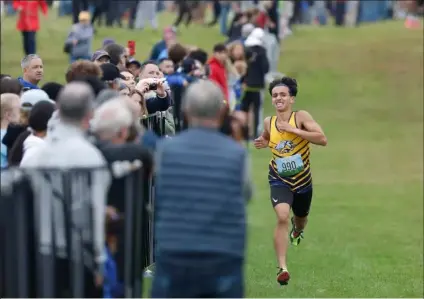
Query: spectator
[[200, 247], [177, 53], [32, 97], [217, 68], [129, 80], [117, 55], [10, 104], [112, 123], [94, 81], [33, 71], [9, 85], [134, 67], [168, 33], [151, 100], [28, 22], [111, 76], [257, 68], [2, 76], [80, 38], [67, 147], [124, 90], [26, 144], [146, 10], [107, 41], [100, 56], [52, 89], [83, 68], [105, 95]]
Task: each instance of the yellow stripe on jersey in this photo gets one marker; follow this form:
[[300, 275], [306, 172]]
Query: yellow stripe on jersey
[[285, 144]]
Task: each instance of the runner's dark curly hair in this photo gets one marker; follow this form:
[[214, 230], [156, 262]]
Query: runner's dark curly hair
[[291, 84]]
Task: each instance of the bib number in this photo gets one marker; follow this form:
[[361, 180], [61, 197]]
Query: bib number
[[289, 166]]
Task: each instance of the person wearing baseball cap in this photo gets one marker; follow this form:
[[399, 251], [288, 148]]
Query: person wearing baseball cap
[[134, 67], [100, 57], [111, 75]]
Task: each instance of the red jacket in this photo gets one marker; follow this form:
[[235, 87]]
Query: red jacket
[[218, 74], [28, 16]]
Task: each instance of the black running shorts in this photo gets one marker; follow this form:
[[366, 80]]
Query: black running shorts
[[299, 202]]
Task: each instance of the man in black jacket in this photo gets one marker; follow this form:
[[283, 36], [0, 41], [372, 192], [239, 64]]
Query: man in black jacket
[[111, 125]]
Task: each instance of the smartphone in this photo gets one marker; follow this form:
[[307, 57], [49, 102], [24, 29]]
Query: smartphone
[[131, 47]]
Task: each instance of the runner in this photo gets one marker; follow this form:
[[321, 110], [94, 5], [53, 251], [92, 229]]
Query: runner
[[288, 135]]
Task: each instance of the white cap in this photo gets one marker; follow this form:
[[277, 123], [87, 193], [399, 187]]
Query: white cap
[[33, 96]]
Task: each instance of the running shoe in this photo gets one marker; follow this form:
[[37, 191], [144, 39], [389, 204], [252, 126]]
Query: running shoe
[[283, 276], [295, 236]]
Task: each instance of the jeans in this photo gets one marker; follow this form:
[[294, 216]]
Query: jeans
[[28, 38], [65, 8], [198, 276], [223, 18]]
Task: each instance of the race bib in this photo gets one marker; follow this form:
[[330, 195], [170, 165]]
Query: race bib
[[289, 166]]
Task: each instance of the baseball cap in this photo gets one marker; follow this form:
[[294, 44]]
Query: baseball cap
[[108, 41], [134, 61], [188, 65], [110, 72], [40, 115], [33, 96], [99, 54]]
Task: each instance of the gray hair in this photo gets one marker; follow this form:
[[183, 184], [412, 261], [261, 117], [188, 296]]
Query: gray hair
[[75, 102], [203, 99], [105, 96], [25, 62], [111, 117]]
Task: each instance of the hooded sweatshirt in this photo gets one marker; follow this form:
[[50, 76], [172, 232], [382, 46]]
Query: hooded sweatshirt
[[219, 75], [31, 143]]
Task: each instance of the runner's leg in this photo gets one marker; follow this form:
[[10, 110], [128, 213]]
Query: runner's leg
[[282, 199]]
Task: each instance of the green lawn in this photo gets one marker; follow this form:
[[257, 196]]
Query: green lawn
[[364, 86]]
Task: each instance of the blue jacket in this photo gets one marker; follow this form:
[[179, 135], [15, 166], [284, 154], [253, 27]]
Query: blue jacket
[[157, 49], [200, 200], [27, 84], [158, 104], [112, 288]]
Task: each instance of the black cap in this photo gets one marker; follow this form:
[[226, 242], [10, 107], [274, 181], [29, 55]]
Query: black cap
[[39, 116], [135, 62], [110, 72]]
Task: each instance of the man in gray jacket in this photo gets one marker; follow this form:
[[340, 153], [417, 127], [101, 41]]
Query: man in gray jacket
[[202, 186]]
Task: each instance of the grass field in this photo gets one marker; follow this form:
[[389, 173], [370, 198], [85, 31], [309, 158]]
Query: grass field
[[364, 86]]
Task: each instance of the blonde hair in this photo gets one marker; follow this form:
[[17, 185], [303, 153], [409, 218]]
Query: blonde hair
[[84, 16], [6, 103]]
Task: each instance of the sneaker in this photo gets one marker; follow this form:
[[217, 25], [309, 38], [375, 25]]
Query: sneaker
[[295, 236], [283, 277]]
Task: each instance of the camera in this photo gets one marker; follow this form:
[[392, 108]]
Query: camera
[[153, 86]]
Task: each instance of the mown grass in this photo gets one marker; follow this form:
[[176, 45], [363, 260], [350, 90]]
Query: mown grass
[[364, 86]]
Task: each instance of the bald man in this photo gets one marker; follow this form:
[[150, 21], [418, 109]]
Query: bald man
[[201, 190]]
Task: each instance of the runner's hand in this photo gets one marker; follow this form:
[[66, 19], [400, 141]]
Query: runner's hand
[[260, 142], [284, 126]]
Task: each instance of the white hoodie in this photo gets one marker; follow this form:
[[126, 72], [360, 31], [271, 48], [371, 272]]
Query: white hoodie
[[31, 143]]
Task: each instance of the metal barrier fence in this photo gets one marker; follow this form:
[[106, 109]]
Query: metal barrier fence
[[50, 230], [155, 122]]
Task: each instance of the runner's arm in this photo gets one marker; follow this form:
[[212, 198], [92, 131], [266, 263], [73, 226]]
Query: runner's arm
[[311, 130], [267, 128]]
